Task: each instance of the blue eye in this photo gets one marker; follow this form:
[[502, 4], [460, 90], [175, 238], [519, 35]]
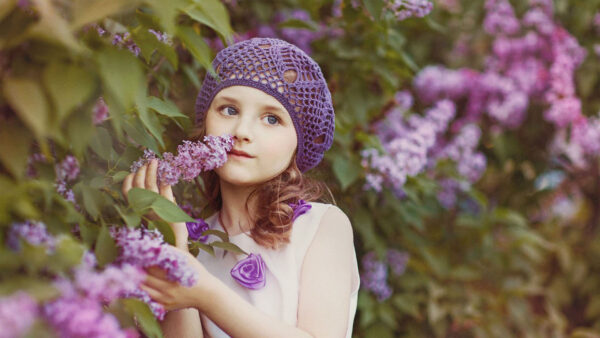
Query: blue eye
[[228, 110], [272, 119]]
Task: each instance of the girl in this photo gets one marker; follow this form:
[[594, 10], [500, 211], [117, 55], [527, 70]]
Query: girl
[[301, 276]]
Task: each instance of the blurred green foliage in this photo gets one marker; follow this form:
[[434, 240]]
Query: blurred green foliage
[[491, 269]]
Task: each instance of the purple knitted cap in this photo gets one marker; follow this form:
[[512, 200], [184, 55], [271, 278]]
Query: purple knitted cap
[[285, 72]]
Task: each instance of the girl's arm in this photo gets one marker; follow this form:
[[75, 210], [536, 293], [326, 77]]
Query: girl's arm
[[185, 322], [324, 291]]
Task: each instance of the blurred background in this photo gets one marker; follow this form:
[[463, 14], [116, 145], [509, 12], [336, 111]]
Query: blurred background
[[466, 150]]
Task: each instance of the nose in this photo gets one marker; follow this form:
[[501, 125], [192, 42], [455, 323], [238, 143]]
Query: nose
[[242, 130]]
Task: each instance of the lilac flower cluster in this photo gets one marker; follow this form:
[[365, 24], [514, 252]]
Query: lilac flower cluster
[[374, 277], [406, 143], [500, 18], [31, 161], [375, 271], [100, 111], [404, 9], [192, 158], [34, 233], [79, 316], [66, 172], [146, 248], [18, 312], [301, 37]]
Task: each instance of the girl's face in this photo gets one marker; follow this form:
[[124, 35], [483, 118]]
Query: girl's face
[[264, 134]]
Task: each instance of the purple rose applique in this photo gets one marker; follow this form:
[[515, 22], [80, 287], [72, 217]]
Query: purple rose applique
[[195, 230], [300, 208], [250, 272]]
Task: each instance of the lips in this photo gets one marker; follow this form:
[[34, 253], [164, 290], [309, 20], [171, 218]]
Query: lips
[[240, 153]]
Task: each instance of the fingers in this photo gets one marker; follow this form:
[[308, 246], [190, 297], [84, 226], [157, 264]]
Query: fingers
[[150, 179], [167, 192], [127, 183], [139, 181], [152, 292]]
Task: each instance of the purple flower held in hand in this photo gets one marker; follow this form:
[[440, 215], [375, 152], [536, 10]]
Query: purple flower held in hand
[[300, 208], [250, 272], [195, 230]]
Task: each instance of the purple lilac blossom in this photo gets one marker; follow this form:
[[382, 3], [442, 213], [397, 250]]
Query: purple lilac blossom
[[145, 248], [300, 37], [31, 172], [195, 230], [500, 18], [32, 232], [109, 284], [78, 316], [404, 9], [397, 261], [447, 194], [17, 313], [250, 272], [374, 277], [192, 158], [160, 36], [100, 111], [300, 208], [68, 169]]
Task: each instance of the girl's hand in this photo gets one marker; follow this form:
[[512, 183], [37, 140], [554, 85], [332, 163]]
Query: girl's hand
[[145, 178], [172, 295]]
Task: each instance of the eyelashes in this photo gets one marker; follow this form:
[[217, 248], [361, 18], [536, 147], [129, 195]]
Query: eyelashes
[[270, 118]]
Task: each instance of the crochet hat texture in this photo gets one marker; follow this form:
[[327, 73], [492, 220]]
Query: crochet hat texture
[[285, 72]]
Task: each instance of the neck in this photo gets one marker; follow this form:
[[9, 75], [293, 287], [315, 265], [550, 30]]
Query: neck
[[233, 215]]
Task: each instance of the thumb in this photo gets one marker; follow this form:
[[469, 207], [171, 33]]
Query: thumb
[[166, 192]]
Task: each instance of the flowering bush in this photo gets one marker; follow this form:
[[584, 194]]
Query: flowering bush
[[466, 155]]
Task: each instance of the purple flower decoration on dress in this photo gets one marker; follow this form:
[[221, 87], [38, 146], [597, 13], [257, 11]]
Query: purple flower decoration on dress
[[300, 208], [195, 230], [250, 272]]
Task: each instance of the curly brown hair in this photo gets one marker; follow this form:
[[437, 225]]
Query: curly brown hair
[[273, 217]]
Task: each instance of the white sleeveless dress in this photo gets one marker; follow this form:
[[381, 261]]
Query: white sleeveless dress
[[279, 298]]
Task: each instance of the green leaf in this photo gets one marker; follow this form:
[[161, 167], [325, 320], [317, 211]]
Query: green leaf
[[144, 317], [122, 75], [205, 247], [106, 249], [79, 131], [141, 200], [53, 27], [166, 12], [198, 47], [222, 235], [69, 87], [92, 199], [150, 121], [90, 11], [27, 98], [165, 230], [15, 141], [68, 254], [89, 233], [229, 247], [374, 7], [131, 219], [213, 14], [148, 43], [346, 171], [164, 107], [136, 131], [101, 144], [119, 176], [169, 211]]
